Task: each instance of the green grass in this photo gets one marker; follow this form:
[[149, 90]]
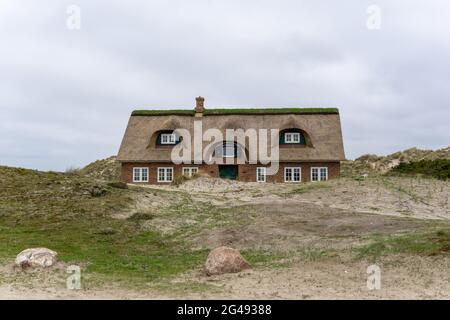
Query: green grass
[[425, 243], [439, 168], [58, 211], [309, 187], [241, 111]]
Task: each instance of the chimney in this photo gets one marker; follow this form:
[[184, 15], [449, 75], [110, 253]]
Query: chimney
[[199, 107]]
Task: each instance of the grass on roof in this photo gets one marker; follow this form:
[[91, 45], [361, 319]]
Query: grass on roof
[[250, 111]]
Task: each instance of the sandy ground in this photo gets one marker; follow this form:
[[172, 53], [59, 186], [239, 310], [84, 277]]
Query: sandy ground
[[401, 278], [334, 215]]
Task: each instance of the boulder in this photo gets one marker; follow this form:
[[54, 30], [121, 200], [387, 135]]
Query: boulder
[[225, 260], [35, 258]]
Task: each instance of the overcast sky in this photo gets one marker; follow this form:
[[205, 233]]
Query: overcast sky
[[66, 95]]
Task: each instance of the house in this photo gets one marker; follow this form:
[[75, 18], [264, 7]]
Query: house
[[307, 143]]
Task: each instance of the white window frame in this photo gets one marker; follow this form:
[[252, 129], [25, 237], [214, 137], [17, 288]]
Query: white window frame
[[264, 174], [319, 176], [289, 137], [190, 171], [166, 169], [292, 174], [169, 138], [140, 170]]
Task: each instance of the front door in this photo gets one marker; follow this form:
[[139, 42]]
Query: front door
[[228, 172]]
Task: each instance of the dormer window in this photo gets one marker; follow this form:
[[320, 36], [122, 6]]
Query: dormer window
[[168, 138], [292, 137]]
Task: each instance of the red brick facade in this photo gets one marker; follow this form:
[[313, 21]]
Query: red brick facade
[[246, 172]]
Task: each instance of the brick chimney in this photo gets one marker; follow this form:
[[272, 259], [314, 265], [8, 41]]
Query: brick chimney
[[199, 107]]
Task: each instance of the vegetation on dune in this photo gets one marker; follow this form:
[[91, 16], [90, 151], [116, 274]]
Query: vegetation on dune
[[61, 211], [374, 165], [428, 243], [106, 169], [58, 211], [439, 169]]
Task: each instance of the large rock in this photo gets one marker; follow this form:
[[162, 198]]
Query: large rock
[[36, 257], [225, 260]]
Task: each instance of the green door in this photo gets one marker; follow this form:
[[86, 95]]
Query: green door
[[228, 172]]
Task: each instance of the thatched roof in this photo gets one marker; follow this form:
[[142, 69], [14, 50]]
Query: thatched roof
[[321, 125]]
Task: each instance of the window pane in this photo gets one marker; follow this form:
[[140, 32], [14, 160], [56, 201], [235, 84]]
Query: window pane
[[323, 174], [228, 149], [287, 137], [260, 174], [288, 174], [169, 174], [296, 174], [144, 174], [314, 174], [137, 175]]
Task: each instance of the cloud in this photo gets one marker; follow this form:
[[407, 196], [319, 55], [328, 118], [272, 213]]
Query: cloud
[[65, 96]]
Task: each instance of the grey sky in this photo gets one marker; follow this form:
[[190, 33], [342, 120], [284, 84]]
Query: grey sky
[[66, 95]]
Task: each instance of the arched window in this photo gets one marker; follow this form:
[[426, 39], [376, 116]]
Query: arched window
[[228, 149]]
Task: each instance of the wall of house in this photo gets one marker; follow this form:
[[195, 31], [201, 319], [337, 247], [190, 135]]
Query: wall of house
[[246, 172]]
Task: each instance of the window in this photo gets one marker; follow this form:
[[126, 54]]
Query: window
[[292, 137], [292, 174], [140, 174], [228, 149], [165, 174], [319, 174], [168, 138], [261, 174], [189, 171]]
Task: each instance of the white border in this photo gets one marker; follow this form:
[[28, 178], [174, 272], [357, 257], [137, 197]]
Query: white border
[[318, 174], [265, 174], [291, 134], [165, 174], [140, 174], [291, 181], [168, 134]]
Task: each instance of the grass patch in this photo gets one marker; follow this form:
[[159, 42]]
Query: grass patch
[[309, 187], [430, 243]]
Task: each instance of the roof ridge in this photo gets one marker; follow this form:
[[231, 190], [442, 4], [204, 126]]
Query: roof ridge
[[231, 111]]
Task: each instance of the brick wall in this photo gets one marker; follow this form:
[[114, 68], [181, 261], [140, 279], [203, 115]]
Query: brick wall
[[246, 172]]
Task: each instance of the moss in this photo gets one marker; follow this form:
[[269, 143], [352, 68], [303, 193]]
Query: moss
[[249, 111]]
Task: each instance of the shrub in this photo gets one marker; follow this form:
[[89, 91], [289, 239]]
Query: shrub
[[439, 168]]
